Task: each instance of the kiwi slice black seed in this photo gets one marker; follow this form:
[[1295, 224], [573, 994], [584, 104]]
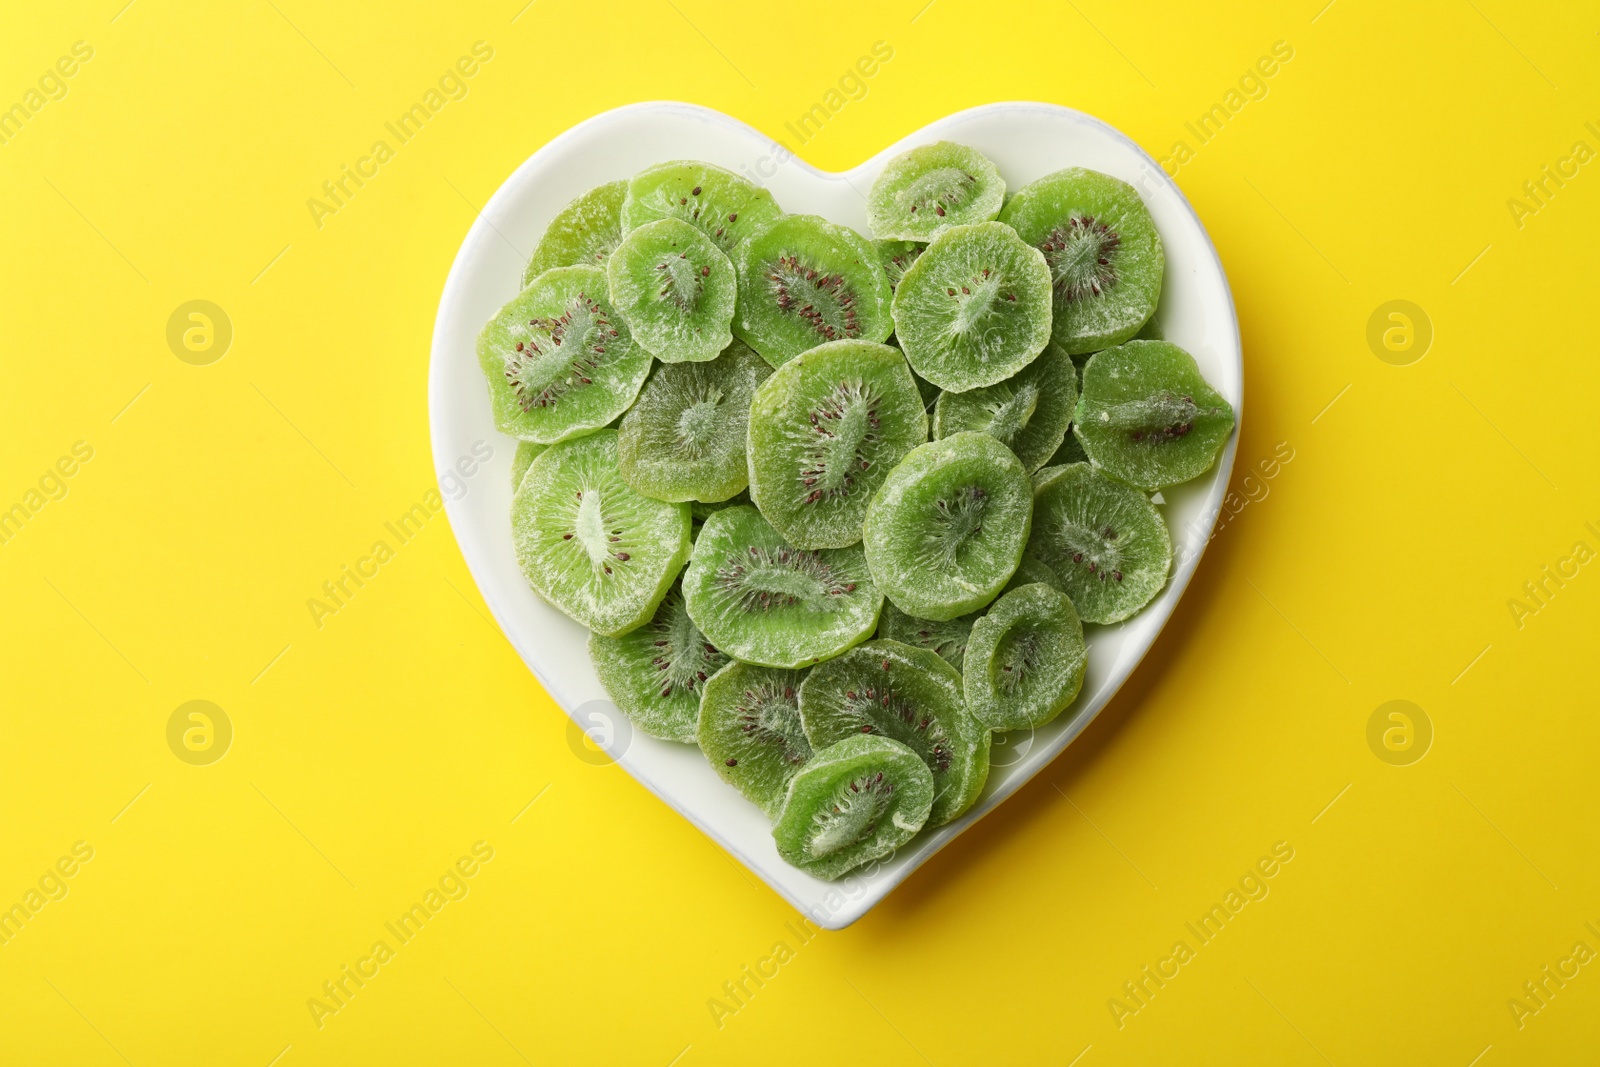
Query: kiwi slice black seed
[[912, 696]]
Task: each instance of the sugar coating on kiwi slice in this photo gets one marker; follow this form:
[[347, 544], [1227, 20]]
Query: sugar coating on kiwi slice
[[559, 360], [522, 459], [912, 696], [805, 281], [591, 546], [931, 187], [974, 308], [1025, 659], [656, 673], [676, 290], [825, 430], [946, 638], [1028, 413], [1105, 256], [583, 234], [854, 802], [1147, 417], [945, 531], [749, 728], [897, 257], [1106, 543], [684, 439], [722, 205], [762, 600]]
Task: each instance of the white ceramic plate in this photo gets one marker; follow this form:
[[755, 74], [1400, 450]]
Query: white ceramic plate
[[1026, 141]]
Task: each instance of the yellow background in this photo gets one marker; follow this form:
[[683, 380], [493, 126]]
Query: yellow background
[[370, 753]]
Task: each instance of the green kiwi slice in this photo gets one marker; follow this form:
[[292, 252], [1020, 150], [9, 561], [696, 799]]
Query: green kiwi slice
[[764, 601], [1106, 543], [589, 544], [583, 234], [1025, 659], [932, 187], [749, 728], [852, 803], [522, 459], [912, 696], [559, 359], [1147, 417], [1028, 413], [974, 308], [684, 439], [724, 206], [944, 533], [1105, 255], [804, 281], [947, 638], [825, 430], [897, 257], [676, 290], [656, 673]]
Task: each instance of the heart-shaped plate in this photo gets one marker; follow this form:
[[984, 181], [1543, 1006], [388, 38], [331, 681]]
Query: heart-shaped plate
[[1026, 141]]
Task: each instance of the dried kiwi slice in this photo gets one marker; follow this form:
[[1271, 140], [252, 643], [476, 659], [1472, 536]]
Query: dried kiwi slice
[[583, 234], [825, 430], [559, 359], [1104, 253], [724, 206], [1106, 542], [588, 543], [947, 638], [749, 728], [676, 290], [655, 673], [897, 257], [1147, 417], [931, 187], [912, 696], [522, 459], [685, 437], [974, 308], [1025, 659], [804, 281], [1029, 571], [764, 601], [944, 533], [854, 802], [1028, 413]]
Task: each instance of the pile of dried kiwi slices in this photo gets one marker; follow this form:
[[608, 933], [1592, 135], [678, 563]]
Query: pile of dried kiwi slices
[[725, 470]]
